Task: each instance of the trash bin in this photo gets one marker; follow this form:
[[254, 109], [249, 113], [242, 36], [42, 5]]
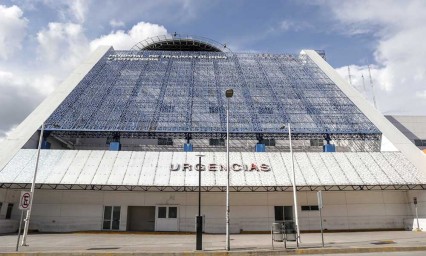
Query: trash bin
[[277, 232], [290, 233]]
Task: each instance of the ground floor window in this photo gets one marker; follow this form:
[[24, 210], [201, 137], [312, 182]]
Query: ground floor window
[[167, 212], [111, 218], [283, 213], [9, 211]]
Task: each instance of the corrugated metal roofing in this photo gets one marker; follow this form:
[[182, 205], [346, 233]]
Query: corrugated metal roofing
[[126, 168]]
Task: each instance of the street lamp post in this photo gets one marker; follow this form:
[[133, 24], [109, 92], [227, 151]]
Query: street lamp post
[[27, 219], [294, 186], [228, 93], [199, 242]]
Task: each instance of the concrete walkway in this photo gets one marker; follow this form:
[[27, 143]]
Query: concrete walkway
[[241, 244]]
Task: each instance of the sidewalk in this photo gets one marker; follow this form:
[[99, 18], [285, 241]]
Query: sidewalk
[[214, 244]]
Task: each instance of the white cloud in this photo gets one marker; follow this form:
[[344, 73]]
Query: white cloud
[[288, 25], [19, 96], [122, 40], [13, 28], [60, 48], [62, 44], [78, 9], [400, 27], [116, 23], [69, 11]]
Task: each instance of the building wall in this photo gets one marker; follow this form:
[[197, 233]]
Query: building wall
[[62, 211], [413, 127]]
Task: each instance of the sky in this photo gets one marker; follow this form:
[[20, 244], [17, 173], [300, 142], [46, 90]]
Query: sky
[[42, 41]]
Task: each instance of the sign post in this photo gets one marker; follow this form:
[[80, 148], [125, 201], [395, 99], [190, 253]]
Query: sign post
[[417, 214], [24, 205], [320, 205]]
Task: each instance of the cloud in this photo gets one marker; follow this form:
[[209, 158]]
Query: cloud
[[399, 26], [18, 98], [60, 48], [62, 45], [13, 29], [116, 23], [122, 40], [69, 11], [289, 25]]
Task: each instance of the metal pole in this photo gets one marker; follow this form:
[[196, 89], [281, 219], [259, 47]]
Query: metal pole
[[27, 219], [19, 230], [294, 188], [228, 245], [322, 232], [417, 217], [199, 242], [199, 187]]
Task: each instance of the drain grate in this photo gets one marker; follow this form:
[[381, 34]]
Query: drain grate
[[384, 242], [103, 248]]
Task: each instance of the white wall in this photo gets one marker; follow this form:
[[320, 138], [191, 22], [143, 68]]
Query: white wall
[[56, 210], [411, 223]]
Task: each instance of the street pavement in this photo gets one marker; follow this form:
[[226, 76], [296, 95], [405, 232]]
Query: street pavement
[[177, 243]]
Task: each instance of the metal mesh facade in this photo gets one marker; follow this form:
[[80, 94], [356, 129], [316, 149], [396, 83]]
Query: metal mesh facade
[[184, 92]]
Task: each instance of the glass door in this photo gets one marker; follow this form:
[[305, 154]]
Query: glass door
[[111, 218]]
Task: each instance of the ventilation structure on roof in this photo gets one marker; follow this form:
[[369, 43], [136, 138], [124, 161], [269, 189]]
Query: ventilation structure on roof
[[177, 42]]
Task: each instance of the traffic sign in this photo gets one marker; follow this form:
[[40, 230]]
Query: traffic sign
[[415, 200], [25, 201]]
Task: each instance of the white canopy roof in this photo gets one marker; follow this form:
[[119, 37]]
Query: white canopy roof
[[176, 169]]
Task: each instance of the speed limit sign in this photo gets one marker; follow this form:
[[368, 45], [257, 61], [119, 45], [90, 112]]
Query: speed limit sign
[[25, 201]]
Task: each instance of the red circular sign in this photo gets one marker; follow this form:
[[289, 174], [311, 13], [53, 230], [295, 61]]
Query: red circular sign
[[25, 200]]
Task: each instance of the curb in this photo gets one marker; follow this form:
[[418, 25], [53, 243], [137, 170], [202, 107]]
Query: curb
[[220, 253]]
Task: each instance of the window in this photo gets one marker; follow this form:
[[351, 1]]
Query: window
[[268, 142], [217, 142], [9, 211], [172, 212], [310, 208], [165, 142], [283, 213], [279, 213], [420, 143], [317, 143], [111, 218], [167, 212], [162, 212]]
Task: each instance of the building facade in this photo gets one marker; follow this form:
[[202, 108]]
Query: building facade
[[121, 137]]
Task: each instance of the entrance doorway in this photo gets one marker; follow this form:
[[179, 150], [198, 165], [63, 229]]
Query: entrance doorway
[[283, 213], [141, 218], [167, 218]]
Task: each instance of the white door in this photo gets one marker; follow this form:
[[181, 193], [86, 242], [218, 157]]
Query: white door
[[166, 218]]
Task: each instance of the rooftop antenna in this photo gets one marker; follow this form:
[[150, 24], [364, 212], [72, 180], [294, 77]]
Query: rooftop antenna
[[363, 84], [349, 75], [372, 87]]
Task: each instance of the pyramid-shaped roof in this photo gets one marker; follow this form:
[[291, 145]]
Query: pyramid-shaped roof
[[184, 92]]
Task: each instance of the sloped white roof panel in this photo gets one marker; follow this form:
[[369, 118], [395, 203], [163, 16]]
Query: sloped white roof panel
[[174, 169], [92, 165], [133, 171], [61, 167], [75, 168], [177, 178]]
